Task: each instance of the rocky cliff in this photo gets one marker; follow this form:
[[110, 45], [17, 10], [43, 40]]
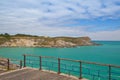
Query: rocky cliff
[[18, 41]]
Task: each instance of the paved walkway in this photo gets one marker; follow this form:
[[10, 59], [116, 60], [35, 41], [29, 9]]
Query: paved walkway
[[33, 74]]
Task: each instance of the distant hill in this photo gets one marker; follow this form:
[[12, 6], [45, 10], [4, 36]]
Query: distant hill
[[22, 40]]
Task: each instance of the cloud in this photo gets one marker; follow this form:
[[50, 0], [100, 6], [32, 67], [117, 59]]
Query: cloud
[[59, 17], [106, 35]]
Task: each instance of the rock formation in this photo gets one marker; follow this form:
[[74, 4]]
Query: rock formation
[[27, 41]]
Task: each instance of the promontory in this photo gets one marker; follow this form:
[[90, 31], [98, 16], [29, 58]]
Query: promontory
[[21, 40]]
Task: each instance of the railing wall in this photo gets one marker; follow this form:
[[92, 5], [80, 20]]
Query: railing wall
[[80, 69], [10, 64]]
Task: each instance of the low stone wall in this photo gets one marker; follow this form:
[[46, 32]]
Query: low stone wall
[[4, 65]]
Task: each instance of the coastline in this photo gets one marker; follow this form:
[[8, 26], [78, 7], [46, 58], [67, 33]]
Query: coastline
[[46, 42]]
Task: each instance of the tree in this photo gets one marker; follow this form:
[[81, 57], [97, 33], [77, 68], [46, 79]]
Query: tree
[[7, 35]]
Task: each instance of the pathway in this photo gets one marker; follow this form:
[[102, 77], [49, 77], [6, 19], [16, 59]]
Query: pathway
[[33, 74]]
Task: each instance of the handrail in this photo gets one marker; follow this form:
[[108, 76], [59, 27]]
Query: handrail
[[80, 66], [101, 64], [10, 61]]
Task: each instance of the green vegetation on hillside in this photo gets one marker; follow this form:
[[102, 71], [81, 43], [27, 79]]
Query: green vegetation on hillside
[[4, 37], [16, 35], [42, 41]]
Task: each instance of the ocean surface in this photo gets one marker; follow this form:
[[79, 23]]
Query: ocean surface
[[108, 52]]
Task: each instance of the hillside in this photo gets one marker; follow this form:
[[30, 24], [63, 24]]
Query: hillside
[[37, 41]]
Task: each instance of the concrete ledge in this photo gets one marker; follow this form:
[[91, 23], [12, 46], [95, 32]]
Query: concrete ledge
[[35, 74]]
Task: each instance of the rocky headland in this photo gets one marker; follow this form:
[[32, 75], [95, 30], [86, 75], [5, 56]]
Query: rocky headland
[[37, 41]]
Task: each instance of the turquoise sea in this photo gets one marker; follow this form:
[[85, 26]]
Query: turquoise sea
[[108, 52]]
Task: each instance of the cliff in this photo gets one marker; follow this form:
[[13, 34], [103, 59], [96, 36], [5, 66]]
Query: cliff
[[28, 41]]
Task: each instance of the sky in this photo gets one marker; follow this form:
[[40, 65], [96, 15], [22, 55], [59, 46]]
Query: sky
[[98, 19]]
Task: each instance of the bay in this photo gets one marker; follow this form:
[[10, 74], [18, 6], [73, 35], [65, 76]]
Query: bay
[[108, 52]]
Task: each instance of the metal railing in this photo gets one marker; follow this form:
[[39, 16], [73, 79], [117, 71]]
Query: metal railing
[[78, 68], [10, 64]]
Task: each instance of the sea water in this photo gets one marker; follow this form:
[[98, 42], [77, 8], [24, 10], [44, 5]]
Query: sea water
[[107, 53]]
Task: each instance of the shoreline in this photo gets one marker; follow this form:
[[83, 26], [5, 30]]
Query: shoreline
[[44, 47], [46, 42]]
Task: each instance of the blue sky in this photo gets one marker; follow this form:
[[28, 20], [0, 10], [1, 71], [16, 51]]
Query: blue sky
[[98, 19]]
